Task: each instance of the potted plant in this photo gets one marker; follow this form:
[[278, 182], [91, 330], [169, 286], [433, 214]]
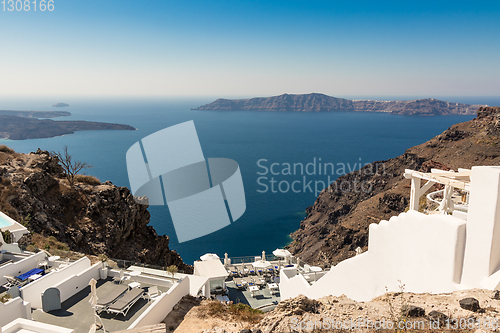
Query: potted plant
[[172, 269], [103, 272]]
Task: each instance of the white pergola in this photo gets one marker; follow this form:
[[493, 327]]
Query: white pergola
[[450, 179]]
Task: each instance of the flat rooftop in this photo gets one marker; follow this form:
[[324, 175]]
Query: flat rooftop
[[76, 312], [263, 300]]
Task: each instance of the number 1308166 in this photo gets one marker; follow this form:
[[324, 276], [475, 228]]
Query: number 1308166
[[27, 5]]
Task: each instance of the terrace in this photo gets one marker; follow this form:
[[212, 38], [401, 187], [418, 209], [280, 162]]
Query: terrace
[[68, 275], [264, 299], [256, 280], [78, 314]]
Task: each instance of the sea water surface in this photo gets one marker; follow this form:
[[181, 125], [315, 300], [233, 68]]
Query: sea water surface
[[255, 140]]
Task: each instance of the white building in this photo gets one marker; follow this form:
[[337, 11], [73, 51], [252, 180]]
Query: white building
[[434, 253], [16, 231]]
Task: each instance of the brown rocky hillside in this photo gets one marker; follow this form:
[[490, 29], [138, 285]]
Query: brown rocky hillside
[[338, 221], [91, 217]]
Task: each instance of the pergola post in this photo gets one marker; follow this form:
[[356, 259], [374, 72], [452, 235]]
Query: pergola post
[[415, 193]]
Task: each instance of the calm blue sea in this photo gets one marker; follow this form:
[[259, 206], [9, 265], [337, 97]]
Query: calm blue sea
[[342, 139]]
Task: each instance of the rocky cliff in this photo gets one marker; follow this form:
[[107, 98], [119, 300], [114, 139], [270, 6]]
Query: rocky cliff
[[93, 219], [338, 221], [322, 103]]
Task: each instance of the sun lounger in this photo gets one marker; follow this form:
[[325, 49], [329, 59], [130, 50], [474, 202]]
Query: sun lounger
[[26, 276], [12, 282], [240, 283], [233, 271], [260, 282], [241, 270], [105, 301], [250, 269], [251, 282], [5, 262], [123, 304]]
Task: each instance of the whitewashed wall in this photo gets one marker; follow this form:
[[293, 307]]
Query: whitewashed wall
[[290, 282], [21, 266], [13, 247], [24, 325], [158, 281], [75, 283], [482, 257], [14, 308], [162, 306], [423, 252], [33, 291]]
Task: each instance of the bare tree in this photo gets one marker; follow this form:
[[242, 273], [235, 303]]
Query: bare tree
[[71, 168]]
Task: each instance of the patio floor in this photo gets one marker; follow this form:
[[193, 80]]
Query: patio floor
[[263, 297], [76, 312]]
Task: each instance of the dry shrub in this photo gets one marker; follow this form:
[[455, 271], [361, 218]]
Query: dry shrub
[[48, 243], [246, 313], [7, 193], [5, 298], [215, 308], [234, 312], [5, 149], [85, 179]]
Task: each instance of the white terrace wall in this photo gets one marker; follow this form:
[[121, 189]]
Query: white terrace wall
[[423, 252], [14, 248], [75, 283], [482, 257], [291, 284], [21, 266], [158, 281], [33, 291], [23, 325], [14, 308], [162, 306]]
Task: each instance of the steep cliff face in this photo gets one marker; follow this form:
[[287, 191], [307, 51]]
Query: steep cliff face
[[92, 219], [338, 221], [315, 102]]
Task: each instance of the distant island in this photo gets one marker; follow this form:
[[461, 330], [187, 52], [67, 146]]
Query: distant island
[[35, 114], [60, 105], [315, 102], [22, 125]]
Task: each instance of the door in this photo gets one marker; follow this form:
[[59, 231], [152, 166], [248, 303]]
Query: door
[[51, 300]]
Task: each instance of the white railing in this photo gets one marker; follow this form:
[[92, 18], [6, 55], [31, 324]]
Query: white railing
[[434, 200]]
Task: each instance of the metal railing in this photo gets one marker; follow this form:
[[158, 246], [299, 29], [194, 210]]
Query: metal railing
[[71, 256]]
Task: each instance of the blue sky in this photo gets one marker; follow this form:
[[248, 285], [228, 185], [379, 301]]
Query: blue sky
[[250, 48]]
